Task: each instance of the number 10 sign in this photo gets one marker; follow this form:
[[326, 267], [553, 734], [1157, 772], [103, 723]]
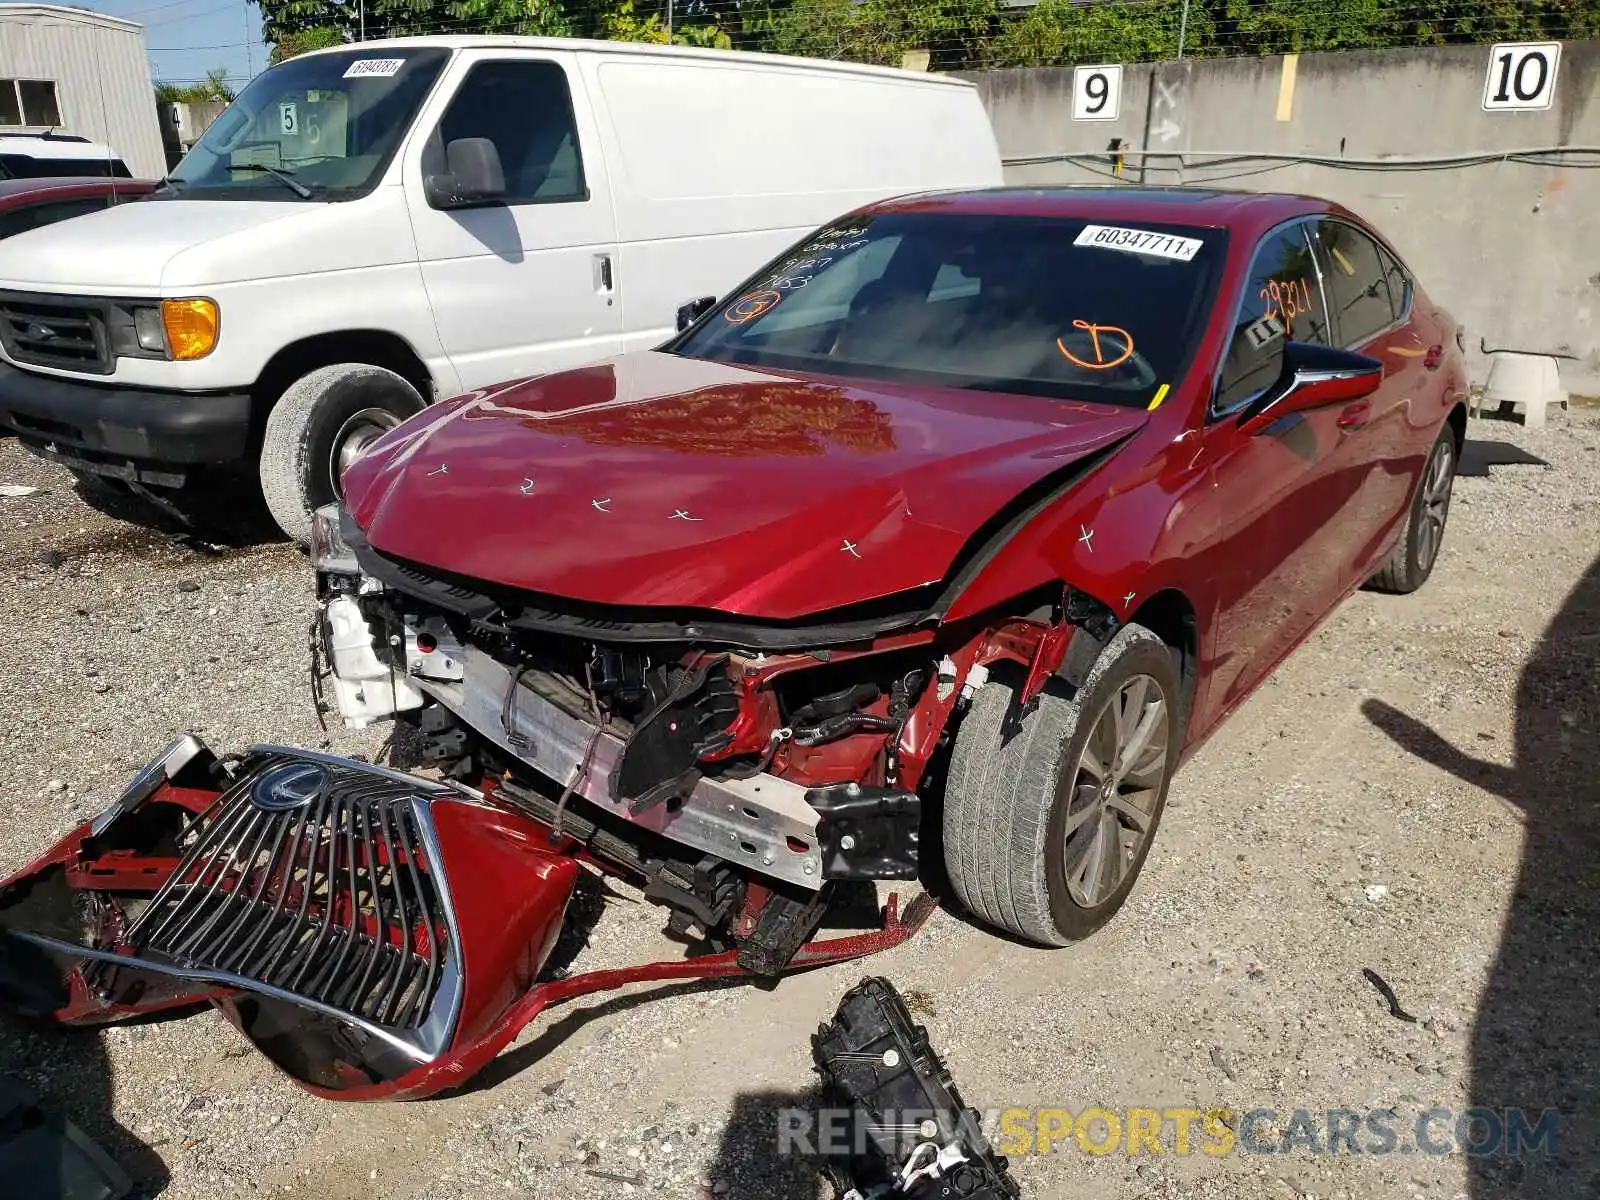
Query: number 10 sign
[[1522, 75], [1096, 92]]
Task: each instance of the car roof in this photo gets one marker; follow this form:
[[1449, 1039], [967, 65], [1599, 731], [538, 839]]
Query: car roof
[[1248, 212], [14, 192], [43, 146]]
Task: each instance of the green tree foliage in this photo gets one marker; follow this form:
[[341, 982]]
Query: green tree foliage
[[214, 87], [954, 33], [1063, 31], [289, 45]]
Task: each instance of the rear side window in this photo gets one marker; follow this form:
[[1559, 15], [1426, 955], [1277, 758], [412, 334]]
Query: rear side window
[[22, 166], [1399, 284], [1357, 281], [34, 216], [1282, 302], [525, 109]]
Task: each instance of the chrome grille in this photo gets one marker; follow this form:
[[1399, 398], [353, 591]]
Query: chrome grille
[[61, 332], [313, 877]]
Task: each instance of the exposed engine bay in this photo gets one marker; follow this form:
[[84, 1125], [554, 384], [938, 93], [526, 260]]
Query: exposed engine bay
[[705, 769]]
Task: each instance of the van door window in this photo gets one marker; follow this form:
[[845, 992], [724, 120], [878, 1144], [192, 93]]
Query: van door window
[[525, 109], [1282, 302], [1358, 289]]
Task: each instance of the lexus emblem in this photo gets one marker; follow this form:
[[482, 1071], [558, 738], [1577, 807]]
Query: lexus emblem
[[290, 786], [41, 333]]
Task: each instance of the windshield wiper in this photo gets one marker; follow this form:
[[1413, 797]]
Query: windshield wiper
[[281, 175]]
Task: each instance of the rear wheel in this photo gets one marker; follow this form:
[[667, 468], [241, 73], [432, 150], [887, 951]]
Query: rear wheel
[[1413, 559], [319, 426], [1047, 825]]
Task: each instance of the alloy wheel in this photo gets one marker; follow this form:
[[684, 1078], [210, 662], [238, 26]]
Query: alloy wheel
[[1116, 786], [1436, 489]]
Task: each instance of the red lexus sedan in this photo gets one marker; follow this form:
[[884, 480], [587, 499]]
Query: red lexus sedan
[[1063, 474], [956, 526]]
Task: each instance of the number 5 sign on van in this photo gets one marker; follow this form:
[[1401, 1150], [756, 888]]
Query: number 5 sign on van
[[1522, 75], [1096, 92]]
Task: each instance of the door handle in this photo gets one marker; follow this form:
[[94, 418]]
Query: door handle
[[602, 273], [1434, 358], [1355, 416]]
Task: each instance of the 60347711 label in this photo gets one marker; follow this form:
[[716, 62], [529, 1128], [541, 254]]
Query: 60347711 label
[[1139, 241]]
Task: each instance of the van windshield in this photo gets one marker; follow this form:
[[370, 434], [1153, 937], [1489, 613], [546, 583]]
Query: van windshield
[[1038, 306], [321, 127]]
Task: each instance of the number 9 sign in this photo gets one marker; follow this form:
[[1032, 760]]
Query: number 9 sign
[[1097, 92]]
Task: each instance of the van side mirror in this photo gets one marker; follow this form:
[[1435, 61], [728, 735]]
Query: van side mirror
[[1313, 376], [473, 176], [691, 312]]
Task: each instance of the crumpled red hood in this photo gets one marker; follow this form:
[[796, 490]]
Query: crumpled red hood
[[656, 480]]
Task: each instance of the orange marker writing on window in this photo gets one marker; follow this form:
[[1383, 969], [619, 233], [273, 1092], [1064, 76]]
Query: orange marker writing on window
[[1094, 331]]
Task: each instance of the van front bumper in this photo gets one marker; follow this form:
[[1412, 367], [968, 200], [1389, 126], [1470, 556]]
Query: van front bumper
[[118, 430]]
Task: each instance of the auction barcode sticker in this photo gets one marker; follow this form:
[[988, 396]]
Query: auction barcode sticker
[[1139, 241], [374, 68]]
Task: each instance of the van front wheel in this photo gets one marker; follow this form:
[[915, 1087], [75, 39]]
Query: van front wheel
[[321, 424]]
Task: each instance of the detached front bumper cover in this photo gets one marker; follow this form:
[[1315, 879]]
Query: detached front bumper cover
[[377, 935]]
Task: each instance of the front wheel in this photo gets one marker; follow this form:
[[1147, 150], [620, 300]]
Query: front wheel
[[321, 424], [1047, 822]]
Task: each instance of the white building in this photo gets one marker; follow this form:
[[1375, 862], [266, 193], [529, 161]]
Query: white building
[[79, 72]]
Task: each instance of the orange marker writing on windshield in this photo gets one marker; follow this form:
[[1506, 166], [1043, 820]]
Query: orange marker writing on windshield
[[1094, 332]]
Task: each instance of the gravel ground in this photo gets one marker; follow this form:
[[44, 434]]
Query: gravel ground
[[1412, 793]]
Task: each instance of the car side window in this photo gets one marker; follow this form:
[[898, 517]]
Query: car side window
[[36, 216], [525, 109], [1399, 284], [1357, 281], [1282, 302]]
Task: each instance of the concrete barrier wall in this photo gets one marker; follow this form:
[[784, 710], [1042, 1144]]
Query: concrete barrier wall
[[1512, 250]]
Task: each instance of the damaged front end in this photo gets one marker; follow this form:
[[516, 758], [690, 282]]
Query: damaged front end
[[375, 934], [741, 776]]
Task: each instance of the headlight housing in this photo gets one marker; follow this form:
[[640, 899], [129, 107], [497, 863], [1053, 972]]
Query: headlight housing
[[329, 552], [180, 329]]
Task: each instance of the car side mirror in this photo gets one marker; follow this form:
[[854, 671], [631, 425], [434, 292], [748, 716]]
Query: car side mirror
[[473, 176], [1313, 376], [691, 312]]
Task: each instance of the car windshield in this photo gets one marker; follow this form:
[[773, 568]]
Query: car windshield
[[1036, 306], [326, 123]]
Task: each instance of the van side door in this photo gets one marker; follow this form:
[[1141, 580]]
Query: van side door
[[527, 285]]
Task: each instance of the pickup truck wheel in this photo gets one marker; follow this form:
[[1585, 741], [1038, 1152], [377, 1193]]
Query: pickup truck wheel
[[320, 425], [1047, 821]]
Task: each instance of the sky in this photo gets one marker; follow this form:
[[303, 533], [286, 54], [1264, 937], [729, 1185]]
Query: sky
[[187, 38]]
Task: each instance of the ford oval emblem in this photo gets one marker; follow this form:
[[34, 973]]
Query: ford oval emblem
[[290, 786]]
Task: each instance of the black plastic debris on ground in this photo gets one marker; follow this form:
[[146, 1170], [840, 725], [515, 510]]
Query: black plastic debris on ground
[[1388, 995], [44, 1156]]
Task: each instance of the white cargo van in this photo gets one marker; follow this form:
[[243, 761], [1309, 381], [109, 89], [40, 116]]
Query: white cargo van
[[369, 228]]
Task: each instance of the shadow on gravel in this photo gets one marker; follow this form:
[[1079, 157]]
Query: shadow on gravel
[[1478, 456], [209, 516], [758, 1158], [1536, 1042], [70, 1074]]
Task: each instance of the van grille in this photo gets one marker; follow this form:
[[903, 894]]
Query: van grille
[[64, 332]]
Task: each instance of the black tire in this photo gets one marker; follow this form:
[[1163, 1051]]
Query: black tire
[[1415, 555], [318, 416], [1008, 800]]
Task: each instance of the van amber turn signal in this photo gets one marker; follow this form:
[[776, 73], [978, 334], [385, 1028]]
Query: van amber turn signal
[[191, 326]]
